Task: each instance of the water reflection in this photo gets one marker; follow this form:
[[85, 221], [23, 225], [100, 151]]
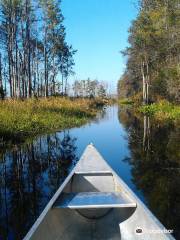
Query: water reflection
[[155, 164], [29, 175]]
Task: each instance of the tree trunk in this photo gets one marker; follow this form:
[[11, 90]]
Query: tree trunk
[[28, 47], [45, 62], [1, 82], [144, 86]]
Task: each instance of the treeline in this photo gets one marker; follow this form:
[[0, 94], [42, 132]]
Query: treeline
[[90, 88], [35, 59], [153, 55]]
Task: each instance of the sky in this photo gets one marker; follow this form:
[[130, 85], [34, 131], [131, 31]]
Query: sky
[[98, 30]]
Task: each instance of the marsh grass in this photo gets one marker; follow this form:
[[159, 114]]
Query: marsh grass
[[126, 101], [21, 119], [163, 110]]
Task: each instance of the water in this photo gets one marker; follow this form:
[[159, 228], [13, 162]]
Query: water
[[144, 154]]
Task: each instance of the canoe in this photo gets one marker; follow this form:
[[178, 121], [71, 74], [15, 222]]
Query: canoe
[[94, 203]]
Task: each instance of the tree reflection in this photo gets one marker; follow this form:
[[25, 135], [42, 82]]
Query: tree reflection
[[155, 164], [29, 176]]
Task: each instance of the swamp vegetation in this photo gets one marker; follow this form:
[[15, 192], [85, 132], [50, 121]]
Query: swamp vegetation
[[21, 119], [162, 110]]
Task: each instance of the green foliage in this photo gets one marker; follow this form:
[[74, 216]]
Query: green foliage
[[162, 110], [21, 119], [154, 51], [135, 100], [126, 101]]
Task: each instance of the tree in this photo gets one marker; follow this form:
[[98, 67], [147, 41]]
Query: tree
[[153, 55], [101, 91], [33, 48], [90, 88], [2, 93]]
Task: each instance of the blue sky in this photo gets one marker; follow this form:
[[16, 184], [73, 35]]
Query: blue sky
[[98, 29]]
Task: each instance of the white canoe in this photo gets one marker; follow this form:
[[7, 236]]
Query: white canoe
[[94, 203]]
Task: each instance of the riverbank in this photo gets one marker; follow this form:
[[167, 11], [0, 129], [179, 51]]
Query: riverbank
[[161, 110], [21, 119]]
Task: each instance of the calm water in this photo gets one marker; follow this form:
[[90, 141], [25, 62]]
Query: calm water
[[146, 155]]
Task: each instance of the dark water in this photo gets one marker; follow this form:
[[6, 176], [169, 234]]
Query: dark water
[[145, 154]]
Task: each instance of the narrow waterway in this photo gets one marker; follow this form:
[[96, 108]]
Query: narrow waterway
[[145, 155]]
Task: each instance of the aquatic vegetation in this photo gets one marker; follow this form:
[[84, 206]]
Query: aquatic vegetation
[[163, 110], [126, 101], [24, 118]]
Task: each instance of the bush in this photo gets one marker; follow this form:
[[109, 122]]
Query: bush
[[163, 110]]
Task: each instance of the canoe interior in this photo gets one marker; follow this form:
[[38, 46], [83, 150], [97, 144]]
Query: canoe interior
[[87, 223]]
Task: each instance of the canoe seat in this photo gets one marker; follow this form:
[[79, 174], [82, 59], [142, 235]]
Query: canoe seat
[[93, 200]]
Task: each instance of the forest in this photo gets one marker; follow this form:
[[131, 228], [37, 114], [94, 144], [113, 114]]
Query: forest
[[35, 58], [153, 55]]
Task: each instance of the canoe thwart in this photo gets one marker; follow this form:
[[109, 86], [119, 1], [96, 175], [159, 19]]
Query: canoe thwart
[[93, 200]]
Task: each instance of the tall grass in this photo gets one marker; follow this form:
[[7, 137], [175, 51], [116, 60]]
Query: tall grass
[[19, 119]]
